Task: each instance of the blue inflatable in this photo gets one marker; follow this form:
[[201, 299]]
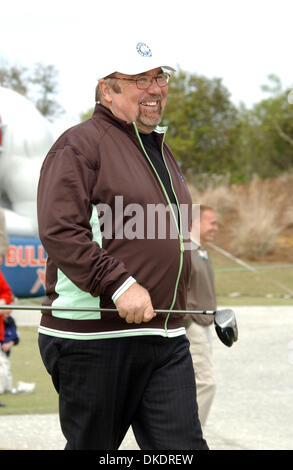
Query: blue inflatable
[[24, 266]]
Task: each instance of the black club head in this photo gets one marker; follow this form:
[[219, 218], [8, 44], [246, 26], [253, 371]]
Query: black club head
[[226, 326]]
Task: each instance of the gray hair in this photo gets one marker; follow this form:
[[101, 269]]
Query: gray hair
[[113, 83]]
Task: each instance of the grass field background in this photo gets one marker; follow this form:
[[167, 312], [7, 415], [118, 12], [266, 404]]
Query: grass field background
[[27, 366], [235, 286], [263, 284]]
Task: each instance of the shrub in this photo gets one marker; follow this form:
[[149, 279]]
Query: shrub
[[252, 215]]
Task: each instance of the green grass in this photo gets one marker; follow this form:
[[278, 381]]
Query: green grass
[[225, 301], [27, 366], [266, 287], [269, 285]]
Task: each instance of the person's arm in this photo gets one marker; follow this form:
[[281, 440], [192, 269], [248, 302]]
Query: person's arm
[[6, 296], [10, 326], [64, 211]]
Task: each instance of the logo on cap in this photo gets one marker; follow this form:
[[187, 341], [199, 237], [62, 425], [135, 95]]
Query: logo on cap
[[143, 49]]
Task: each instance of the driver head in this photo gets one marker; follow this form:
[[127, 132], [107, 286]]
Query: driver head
[[226, 326]]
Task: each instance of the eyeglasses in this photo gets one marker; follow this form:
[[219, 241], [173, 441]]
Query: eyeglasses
[[144, 81]]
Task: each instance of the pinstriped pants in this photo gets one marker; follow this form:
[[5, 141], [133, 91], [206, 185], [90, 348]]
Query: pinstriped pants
[[107, 385]]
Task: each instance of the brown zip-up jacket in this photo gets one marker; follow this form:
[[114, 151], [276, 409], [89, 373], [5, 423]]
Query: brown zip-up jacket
[[102, 161]]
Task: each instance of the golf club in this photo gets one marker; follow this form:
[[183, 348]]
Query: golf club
[[224, 320], [226, 326]]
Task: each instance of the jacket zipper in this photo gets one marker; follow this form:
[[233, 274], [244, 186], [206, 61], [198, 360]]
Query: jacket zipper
[[178, 222]]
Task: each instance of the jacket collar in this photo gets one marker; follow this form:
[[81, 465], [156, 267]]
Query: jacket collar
[[101, 111], [202, 252]]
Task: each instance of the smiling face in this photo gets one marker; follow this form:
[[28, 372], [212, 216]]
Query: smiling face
[[208, 226], [144, 107], [205, 227]]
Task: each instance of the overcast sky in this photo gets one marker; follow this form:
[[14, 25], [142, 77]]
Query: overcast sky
[[240, 41]]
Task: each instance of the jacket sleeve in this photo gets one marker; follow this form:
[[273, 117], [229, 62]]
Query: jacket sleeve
[[10, 329], [64, 211], [5, 291]]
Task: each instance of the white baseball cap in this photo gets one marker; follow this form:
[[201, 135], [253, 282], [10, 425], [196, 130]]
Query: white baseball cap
[[132, 58]]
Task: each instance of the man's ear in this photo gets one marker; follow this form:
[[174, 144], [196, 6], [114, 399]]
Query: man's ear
[[105, 91]]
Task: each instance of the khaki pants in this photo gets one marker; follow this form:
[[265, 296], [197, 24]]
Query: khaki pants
[[5, 373], [201, 352]]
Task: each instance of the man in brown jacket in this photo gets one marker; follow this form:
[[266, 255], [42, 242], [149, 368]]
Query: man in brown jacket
[[201, 296], [131, 367]]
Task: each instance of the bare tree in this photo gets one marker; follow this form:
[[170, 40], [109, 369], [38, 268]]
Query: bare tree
[[40, 85]]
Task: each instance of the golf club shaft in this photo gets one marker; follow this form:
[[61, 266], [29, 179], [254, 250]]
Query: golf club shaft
[[96, 309], [221, 331]]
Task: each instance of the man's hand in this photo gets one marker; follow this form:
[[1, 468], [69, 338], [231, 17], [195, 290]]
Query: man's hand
[[135, 305]]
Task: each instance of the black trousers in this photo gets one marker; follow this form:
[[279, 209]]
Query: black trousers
[[106, 385]]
